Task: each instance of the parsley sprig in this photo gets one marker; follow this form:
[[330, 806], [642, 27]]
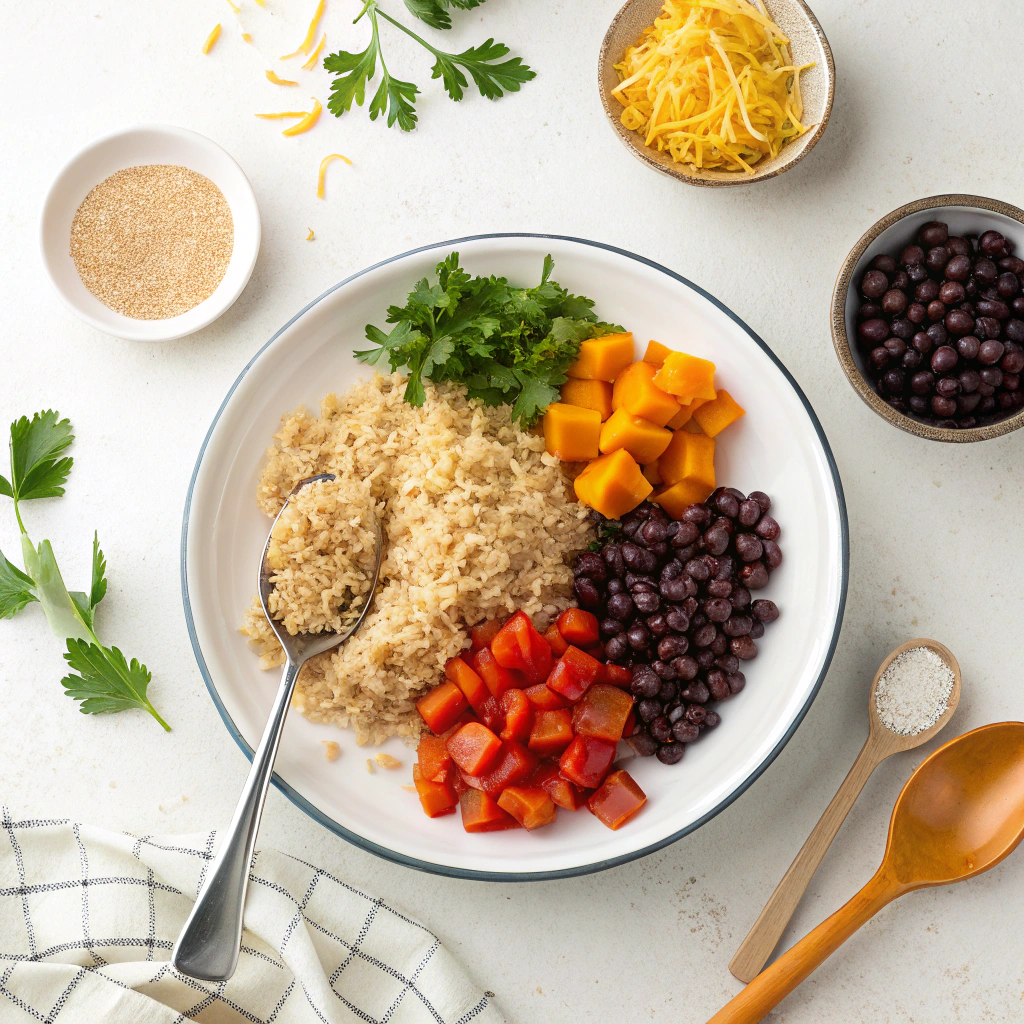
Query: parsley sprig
[[506, 344], [395, 98], [101, 678]]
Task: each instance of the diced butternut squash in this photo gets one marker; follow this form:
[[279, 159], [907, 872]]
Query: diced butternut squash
[[603, 358], [484, 632], [644, 440], [612, 484], [618, 799], [518, 712], [572, 433], [564, 793], [636, 392], [433, 758], [529, 805], [714, 417], [555, 640], [551, 732], [656, 352], [689, 457], [543, 698], [514, 765], [652, 474], [481, 813], [684, 414], [687, 377], [589, 394], [441, 708], [602, 712], [436, 798], [586, 761], [579, 628], [677, 497], [474, 748], [469, 682]]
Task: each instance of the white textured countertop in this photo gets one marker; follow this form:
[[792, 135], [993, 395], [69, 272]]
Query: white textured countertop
[[927, 101]]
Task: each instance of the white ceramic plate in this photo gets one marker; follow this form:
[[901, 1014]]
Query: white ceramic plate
[[130, 147], [777, 447]]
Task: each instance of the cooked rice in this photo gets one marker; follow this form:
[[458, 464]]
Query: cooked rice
[[478, 521]]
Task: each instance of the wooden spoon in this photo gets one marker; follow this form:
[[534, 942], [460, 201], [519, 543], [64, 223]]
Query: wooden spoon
[[764, 936], [959, 814]]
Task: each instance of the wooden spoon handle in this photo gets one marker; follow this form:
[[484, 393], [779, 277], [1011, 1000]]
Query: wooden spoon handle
[[766, 931], [772, 985]]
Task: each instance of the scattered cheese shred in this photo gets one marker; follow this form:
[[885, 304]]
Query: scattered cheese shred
[[211, 39], [369, 766], [288, 56], [387, 761], [307, 121], [316, 53], [307, 43], [712, 84], [272, 77], [331, 750], [283, 113], [246, 38], [323, 170], [262, 3], [234, 7], [409, 789], [310, 236]]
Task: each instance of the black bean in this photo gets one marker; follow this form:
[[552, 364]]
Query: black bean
[[664, 669], [670, 647], [903, 328], [754, 575], [677, 620], [671, 753], [894, 302], [696, 713], [612, 554], [644, 744], [764, 610], [756, 631], [717, 609], [767, 528], [737, 625], [762, 499], [748, 545], [661, 729], [646, 602], [926, 291], [686, 534], [645, 683], [612, 627], [743, 647], [711, 719], [675, 711], [616, 648], [990, 352], [716, 540], [991, 242], [749, 513], [698, 569], [958, 246], [673, 590], [727, 504], [586, 592], [874, 284], [934, 233], [736, 681], [911, 254], [739, 598], [698, 514], [705, 635], [657, 625], [684, 731], [720, 588], [638, 636], [944, 359], [620, 606], [728, 663], [686, 668], [937, 257], [648, 710], [592, 566], [718, 684], [653, 531]]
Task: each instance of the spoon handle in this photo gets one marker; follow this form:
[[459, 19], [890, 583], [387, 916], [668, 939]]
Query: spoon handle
[[773, 984], [207, 948], [766, 931]]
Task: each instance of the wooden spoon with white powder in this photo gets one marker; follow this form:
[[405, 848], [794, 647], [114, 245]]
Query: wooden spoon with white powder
[[914, 694]]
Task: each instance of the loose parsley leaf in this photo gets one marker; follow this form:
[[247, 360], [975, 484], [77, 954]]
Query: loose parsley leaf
[[396, 98], [98, 589], [493, 80], [37, 469], [432, 12], [105, 682], [16, 589]]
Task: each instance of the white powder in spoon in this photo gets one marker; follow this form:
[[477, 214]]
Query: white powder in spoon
[[914, 690]]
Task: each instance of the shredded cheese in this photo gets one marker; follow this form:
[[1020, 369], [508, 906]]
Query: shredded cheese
[[246, 38], [234, 7], [310, 236], [307, 121], [272, 77], [712, 84], [323, 170], [316, 53], [288, 56], [307, 43], [211, 39], [262, 3], [283, 113]]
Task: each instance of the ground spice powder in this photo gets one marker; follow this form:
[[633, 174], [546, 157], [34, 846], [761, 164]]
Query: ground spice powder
[[914, 691], [153, 241]]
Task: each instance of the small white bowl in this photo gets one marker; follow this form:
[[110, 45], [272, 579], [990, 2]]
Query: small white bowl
[[131, 147]]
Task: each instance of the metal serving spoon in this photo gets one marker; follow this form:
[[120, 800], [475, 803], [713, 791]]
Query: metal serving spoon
[[208, 945]]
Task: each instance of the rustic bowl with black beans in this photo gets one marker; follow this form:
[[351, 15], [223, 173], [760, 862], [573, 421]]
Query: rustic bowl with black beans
[[928, 318]]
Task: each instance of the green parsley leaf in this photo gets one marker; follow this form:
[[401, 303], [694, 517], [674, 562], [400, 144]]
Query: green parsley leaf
[[431, 12], [16, 589], [37, 468], [354, 70], [105, 682], [493, 80]]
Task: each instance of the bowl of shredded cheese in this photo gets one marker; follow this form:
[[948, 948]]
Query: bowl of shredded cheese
[[717, 92]]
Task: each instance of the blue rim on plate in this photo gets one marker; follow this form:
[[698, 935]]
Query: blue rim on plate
[[504, 876]]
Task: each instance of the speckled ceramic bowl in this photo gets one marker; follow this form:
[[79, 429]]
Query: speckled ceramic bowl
[[965, 215], [807, 43]]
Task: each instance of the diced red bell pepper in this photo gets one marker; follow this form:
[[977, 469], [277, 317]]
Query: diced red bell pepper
[[529, 805], [491, 713], [602, 712], [551, 732], [543, 698], [564, 793], [437, 798], [615, 675], [433, 758], [474, 748], [467, 781], [514, 764], [482, 814], [630, 727], [518, 713], [555, 641], [573, 673], [466, 716], [579, 627], [618, 799], [441, 708], [483, 633], [458, 782], [519, 646], [472, 686], [497, 678], [586, 761]]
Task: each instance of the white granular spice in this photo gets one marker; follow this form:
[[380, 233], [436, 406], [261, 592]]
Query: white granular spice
[[153, 241], [914, 690]]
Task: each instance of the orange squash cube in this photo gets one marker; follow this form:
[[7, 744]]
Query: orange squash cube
[[529, 805], [602, 712], [442, 707], [689, 457], [675, 498], [613, 485], [603, 358], [714, 417], [572, 433], [644, 440], [656, 352], [636, 392], [685, 414], [617, 800], [687, 377], [652, 474], [481, 813], [589, 394], [436, 798]]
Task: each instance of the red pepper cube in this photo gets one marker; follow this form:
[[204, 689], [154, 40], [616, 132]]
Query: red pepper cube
[[555, 641], [618, 799], [433, 758], [493, 716], [530, 806], [483, 633], [630, 727], [441, 708], [436, 798], [497, 678], [564, 793], [615, 675], [551, 732], [519, 646], [515, 764], [543, 698], [518, 712], [586, 761], [482, 814], [469, 682], [602, 712], [573, 673], [474, 748], [578, 627]]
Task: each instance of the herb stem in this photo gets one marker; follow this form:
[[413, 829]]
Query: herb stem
[[367, 4], [407, 31]]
